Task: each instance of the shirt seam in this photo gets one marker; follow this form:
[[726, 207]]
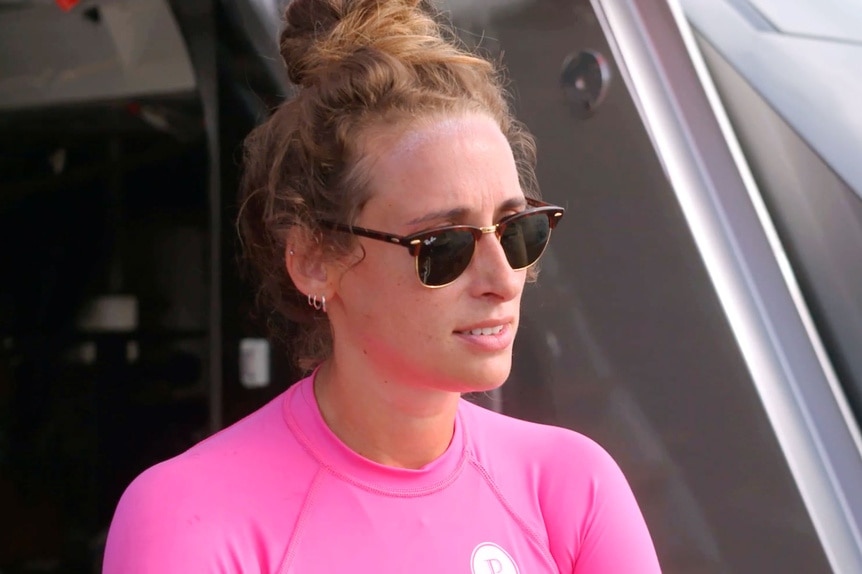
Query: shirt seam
[[522, 523], [301, 521]]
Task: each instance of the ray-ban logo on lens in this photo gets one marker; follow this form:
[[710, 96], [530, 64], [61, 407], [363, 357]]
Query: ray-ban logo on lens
[[488, 558]]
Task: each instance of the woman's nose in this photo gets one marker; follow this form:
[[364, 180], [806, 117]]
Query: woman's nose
[[492, 273]]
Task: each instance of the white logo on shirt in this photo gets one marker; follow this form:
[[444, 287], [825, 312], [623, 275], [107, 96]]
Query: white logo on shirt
[[488, 558]]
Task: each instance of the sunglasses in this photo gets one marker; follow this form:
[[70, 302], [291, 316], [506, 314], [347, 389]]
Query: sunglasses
[[444, 253]]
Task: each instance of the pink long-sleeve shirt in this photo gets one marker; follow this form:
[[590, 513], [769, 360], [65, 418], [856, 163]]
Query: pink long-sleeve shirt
[[279, 493]]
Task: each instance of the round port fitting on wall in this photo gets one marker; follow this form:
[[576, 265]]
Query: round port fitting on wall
[[584, 79]]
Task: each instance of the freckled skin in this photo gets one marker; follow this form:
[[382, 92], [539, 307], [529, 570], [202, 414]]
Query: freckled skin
[[406, 331]]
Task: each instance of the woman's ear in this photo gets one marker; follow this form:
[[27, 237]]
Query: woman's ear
[[308, 269]]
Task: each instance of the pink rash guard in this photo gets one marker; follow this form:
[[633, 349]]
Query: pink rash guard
[[278, 493]]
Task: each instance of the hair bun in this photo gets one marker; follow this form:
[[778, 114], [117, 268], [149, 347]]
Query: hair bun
[[305, 22], [322, 32]]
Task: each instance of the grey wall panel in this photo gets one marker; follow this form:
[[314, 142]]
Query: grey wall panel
[[625, 338], [817, 215], [814, 83]]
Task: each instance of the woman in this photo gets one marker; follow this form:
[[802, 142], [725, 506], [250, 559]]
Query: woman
[[391, 210]]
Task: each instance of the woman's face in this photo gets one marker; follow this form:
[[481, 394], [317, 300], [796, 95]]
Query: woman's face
[[386, 324]]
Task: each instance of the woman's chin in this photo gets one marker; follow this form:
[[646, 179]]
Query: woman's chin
[[488, 379]]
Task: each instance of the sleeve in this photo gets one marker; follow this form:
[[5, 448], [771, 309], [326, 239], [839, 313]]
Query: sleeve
[[162, 525], [614, 538]]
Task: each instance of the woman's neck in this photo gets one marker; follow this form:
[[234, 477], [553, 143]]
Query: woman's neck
[[391, 423]]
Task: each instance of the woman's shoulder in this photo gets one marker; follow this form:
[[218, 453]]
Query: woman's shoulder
[[240, 485], [235, 455], [567, 487], [537, 443], [227, 463], [555, 464]]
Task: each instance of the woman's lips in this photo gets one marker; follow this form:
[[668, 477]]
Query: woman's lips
[[486, 327], [488, 337], [485, 330]]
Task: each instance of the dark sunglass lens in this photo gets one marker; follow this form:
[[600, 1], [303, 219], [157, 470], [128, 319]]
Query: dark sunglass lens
[[444, 256], [524, 239]]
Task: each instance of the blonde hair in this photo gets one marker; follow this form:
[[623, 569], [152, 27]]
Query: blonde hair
[[359, 64]]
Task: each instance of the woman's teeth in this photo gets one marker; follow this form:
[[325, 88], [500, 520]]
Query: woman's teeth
[[486, 330]]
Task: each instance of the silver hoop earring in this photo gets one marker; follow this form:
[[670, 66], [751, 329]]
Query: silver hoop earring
[[319, 304]]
